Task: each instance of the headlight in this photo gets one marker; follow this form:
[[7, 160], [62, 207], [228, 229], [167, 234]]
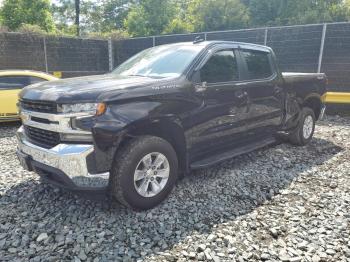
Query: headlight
[[90, 108], [78, 108]]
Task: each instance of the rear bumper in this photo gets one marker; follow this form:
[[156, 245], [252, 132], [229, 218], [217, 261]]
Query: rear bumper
[[64, 165]]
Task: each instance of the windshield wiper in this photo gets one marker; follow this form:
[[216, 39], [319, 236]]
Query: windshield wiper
[[150, 76], [139, 75]]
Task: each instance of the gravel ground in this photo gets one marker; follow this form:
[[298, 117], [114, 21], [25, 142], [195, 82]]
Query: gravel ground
[[282, 203]]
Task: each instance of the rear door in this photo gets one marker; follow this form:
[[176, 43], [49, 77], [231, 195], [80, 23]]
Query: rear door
[[266, 95]]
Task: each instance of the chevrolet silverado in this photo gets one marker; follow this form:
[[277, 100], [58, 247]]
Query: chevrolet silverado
[[170, 109]]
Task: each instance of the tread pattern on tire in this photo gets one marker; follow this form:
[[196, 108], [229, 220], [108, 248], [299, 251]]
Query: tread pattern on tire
[[296, 136], [121, 156], [119, 167]]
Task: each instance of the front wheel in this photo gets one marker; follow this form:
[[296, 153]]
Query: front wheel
[[302, 135], [144, 172]]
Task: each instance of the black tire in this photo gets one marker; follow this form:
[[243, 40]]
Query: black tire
[[297, 137], [125, 163]]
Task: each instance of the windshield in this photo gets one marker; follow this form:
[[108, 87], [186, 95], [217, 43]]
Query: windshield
[[160, 61]]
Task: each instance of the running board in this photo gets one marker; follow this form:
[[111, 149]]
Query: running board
[[230, 154]]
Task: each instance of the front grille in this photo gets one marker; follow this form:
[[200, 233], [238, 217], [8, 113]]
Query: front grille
[[41, 137], [39, 106]]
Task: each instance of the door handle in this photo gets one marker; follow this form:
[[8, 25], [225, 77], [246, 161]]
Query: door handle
[[278, 90]]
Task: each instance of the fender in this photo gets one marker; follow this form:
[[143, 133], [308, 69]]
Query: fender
[[312, 96], [125, 121], [169, 128], [314, 101]]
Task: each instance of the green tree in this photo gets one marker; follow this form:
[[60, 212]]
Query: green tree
[[178, 26], [149, 17], [14, 13], [267, 12], [71, 16], [210, 15], [95, 17], [322, 11], [111, 15], [289, 12], [63, 11], [114, 34], [67, 15], [77, 16], [180, 23]]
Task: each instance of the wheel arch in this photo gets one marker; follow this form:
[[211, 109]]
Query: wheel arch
[[169, 129], [315, 103]]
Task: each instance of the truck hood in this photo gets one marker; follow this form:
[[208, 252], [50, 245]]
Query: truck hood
[[89, 88]]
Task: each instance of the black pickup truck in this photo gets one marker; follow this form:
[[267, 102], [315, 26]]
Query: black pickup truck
[[166, 111]]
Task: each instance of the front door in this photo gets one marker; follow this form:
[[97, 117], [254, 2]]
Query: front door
[[220, 122]]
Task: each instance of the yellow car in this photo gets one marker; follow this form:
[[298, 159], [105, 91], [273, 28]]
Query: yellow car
[[11, 82]]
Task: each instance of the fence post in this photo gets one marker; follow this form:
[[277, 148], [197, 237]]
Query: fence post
[[154, 40], [45, 55], [205, 36], [324, 31], [265, 37], [110, 54]]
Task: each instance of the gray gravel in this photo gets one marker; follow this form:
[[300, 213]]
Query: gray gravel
[[282, 203]]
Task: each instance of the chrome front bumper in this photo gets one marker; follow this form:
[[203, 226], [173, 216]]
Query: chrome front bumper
[[70, 159]]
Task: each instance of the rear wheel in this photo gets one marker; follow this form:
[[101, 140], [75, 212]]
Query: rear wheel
[[144, 172], [302, 135]]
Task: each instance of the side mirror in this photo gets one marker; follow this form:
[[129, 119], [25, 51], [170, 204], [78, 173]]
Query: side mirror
[[199, 86], [196, 77]]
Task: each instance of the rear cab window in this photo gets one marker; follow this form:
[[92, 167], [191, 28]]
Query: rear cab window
[[257, 64]]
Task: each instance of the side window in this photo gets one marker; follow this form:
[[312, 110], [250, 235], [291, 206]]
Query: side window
[[258, 64], [34, 80], [221, 67], [13, 82]]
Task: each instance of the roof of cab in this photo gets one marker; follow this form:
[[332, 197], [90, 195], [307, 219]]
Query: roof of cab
[[17, 72], [205, 44]]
